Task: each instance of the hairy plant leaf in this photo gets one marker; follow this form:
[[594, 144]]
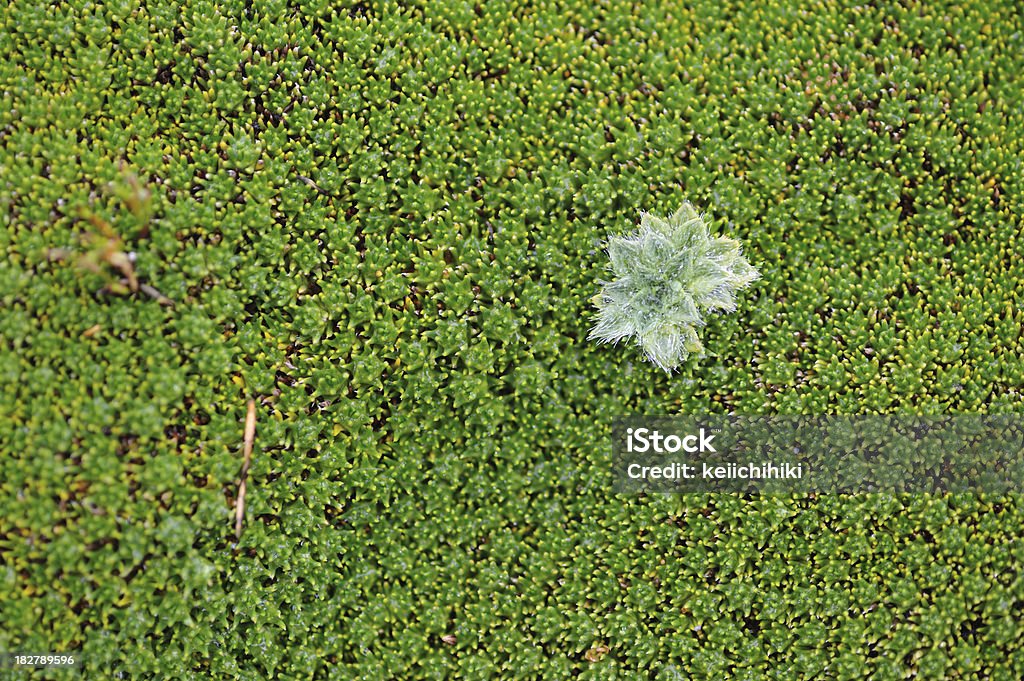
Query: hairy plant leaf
[[669, 274]]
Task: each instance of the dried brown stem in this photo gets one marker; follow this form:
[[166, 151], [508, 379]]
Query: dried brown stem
[[249, 437], [153, 293]]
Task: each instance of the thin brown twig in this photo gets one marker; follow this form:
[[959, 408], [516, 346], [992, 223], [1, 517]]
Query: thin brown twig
[[250, 436], [153, 293], [313, 184]]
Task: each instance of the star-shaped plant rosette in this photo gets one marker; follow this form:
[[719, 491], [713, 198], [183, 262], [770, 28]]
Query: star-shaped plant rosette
[[668, 275]]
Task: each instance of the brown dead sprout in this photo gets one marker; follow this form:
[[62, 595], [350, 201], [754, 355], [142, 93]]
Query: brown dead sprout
[[105, 250]]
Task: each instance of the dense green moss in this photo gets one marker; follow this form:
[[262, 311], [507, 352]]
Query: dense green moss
[[385, 224]]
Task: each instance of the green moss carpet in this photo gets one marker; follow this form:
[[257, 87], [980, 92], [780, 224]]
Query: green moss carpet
[[384, 224]]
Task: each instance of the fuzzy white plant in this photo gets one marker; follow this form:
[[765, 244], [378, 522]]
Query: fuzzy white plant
[[668, 275]]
